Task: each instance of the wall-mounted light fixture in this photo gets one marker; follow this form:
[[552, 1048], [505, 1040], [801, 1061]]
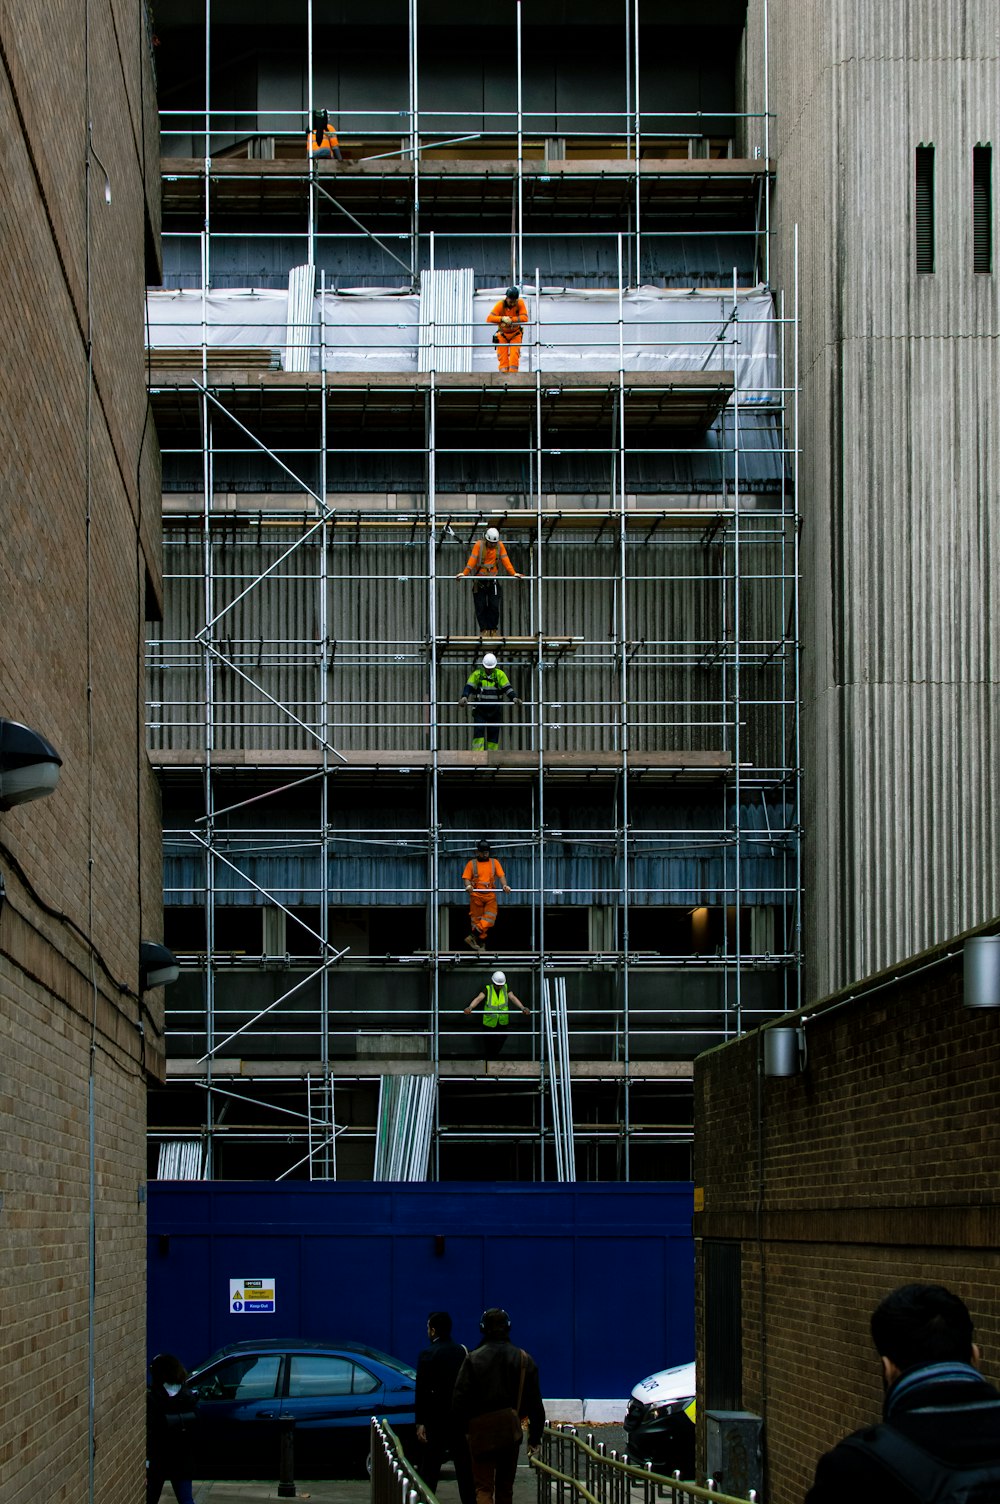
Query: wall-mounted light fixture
[[157, 966], [784, 1051], [29, 765], [981, 972]]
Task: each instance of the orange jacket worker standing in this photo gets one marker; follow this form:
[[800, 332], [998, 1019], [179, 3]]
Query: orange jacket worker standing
[[510, 315], [487, 558], [480, 879]]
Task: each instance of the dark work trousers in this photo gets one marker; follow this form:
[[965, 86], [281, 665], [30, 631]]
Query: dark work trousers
[[486, 720], [486, 598], [494, 1041], [494, 1475], [442, 1440]]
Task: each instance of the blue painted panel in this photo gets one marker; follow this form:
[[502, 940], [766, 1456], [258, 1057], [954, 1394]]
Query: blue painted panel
[[598, 1278]]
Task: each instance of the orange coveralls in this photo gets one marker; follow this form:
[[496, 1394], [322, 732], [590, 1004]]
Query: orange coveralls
[[509, 344], [483, 898], [323, 144], [486, 558]]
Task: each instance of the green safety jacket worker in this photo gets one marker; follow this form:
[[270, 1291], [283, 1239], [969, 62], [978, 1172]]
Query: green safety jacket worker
[[489, 684], [495, 1009]]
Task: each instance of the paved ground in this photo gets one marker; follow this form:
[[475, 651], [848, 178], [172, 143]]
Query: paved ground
[[356, 1491], [350, 1491]]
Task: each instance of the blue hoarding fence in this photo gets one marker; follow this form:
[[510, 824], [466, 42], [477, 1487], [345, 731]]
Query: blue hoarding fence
[[598, 1278]]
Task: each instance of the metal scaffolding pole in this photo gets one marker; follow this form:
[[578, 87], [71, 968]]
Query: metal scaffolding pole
[[413, 58], [737, 676], [624, 706]]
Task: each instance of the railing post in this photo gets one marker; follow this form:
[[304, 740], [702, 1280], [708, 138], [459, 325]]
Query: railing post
[[286, 1459]]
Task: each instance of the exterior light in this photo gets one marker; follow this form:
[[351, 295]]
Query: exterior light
[[981, 979], [784, 1051], [29, 765], [157, 966]]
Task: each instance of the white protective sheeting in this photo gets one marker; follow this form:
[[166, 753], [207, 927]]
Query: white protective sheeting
[[231, 319], [378, 329], [445, 320], [300, 324], [661, 330], [369, 330]]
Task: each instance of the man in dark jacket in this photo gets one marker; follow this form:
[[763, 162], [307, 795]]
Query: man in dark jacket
[[496, 1391], [939, 1417], [437, 1370]]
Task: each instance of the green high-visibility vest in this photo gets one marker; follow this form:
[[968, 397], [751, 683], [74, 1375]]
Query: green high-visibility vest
[[495, 1008]]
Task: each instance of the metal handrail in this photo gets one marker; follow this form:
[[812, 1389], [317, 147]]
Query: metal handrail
[[394, 1480], [612, 1480]]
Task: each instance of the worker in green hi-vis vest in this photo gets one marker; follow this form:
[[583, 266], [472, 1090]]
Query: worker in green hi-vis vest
[[496, 998]]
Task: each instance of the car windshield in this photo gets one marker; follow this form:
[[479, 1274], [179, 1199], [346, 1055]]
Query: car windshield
[[390, 1362]]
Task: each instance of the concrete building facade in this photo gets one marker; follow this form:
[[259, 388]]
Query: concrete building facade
[[81, 868], [899, 445]]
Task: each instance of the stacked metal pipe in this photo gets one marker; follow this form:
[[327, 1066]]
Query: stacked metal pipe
[[555, 1028]]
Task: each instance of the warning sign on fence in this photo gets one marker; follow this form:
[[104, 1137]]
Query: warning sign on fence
[[252, 1297]]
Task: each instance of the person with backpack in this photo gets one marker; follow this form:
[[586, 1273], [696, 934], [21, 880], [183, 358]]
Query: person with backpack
[[496, 1394], [939, 1440]]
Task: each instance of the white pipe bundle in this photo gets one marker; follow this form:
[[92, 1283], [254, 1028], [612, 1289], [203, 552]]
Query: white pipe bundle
[[556, 1033], [299, 328], [403, 1133], [179, 1160]]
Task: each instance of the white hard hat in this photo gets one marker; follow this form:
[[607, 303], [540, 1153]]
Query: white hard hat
[[499, 979], [492, 535], [489, 661]]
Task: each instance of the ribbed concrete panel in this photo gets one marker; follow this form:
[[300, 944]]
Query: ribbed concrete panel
[[900, 454]]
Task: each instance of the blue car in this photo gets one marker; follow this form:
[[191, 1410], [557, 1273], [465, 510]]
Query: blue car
[[330, 1391]]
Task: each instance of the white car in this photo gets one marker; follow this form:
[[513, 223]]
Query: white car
[[659, 1421]]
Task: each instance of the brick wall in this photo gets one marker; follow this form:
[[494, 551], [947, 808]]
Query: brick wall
[[81, 867], [879, 1165]]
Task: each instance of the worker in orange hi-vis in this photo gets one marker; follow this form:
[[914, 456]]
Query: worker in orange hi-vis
[[480, 878], [487, 558], [510, 315], [321, 142]]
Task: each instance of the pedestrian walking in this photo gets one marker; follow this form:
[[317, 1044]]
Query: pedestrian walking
[[510, 316], [481, 875], [487, 558], [437, 1431], [170, 1415], [496, 1394], [496, 998], [487, 686], [940, 1433]]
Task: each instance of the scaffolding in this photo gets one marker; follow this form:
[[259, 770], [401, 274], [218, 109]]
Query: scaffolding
[[321, 795]]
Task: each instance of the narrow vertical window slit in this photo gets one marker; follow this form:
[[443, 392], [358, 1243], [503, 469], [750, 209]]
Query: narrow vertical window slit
[[982, 208], [925, 208]]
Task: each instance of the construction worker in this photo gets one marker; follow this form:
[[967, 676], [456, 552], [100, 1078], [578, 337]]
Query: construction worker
[[510, 315], [321, 142], [480, 879], [496, 996], [487, 556], [487, 685]]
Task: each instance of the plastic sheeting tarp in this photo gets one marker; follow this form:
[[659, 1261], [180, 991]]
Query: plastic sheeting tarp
[[661, 329], [681, 857]]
